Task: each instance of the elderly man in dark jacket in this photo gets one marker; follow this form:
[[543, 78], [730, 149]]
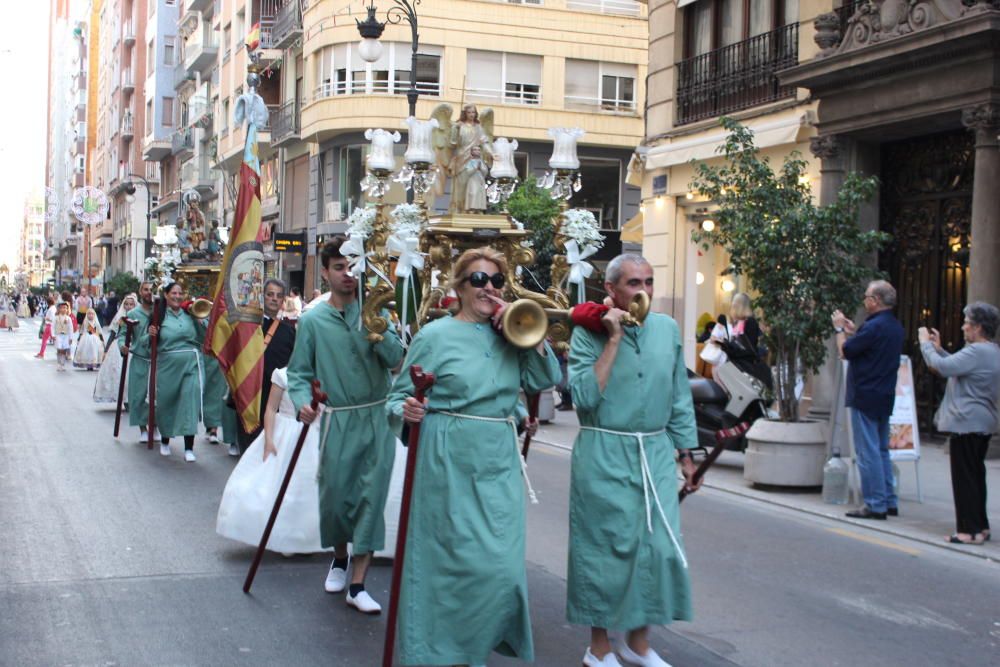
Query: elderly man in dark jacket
[[873, 352]]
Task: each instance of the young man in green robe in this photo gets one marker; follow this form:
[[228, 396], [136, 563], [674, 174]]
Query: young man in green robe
[[138, 363], [627, 568], [357, 445]]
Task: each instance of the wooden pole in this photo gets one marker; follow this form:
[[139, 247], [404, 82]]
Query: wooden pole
[[159, 308], [318, 397], [721, 438], [121, 381], [421, 383]]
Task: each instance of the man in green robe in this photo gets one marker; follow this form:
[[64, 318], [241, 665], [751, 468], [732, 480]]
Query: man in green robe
[[214, 398], [627, 568], [357, 446], [138, 363]]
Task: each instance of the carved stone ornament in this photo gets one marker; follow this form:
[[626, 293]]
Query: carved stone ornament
[[825, 148], [878, 20], [827, 33], [982, 117]]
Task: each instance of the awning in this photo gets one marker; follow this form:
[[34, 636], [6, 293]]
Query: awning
[[685, 3], [766, 134], [632, 230]]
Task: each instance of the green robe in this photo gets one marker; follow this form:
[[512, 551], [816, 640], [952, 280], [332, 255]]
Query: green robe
[[621, 575], [358, 451], [215, 392], [180, 375], [464, 591], [138, 366]]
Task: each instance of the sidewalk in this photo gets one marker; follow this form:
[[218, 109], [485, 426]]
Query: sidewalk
[[927, 522]]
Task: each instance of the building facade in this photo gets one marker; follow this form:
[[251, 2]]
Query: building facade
[[31, 249]]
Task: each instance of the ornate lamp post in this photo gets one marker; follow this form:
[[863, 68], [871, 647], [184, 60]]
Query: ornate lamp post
[[371, 30]]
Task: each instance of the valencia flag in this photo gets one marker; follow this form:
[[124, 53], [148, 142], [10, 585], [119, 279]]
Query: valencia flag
[[234, 333]]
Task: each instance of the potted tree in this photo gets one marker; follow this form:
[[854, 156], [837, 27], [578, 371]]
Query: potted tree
[[802, 262]]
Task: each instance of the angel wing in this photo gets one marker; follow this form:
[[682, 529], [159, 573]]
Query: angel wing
[[486, 120], [441, 135]]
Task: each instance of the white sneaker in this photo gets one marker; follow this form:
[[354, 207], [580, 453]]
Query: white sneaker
[[336, 579], [590, 660], [364, 603], [189, 456], [213, 439], [234, 450], [164, 450], [651, 659]]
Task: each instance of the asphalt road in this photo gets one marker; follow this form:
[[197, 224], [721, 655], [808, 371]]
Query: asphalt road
[[109, 557]]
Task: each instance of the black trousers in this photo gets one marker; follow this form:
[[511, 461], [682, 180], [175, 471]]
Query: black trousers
[[968, 481]]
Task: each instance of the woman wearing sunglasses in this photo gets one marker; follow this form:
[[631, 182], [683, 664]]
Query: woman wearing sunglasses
[[464, 591]]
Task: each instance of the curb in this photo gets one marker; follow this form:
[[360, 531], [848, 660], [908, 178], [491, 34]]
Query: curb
[[770, 500]]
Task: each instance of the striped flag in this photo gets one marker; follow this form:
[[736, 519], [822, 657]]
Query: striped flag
[[253, 37], [234, 333]]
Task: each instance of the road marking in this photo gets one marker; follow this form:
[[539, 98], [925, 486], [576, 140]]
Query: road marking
[[911, 615], [874, 540]]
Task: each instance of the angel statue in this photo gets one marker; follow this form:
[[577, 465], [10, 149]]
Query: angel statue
[[454, 144]]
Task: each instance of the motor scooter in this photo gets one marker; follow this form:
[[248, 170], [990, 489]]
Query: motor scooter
[[725, 407]]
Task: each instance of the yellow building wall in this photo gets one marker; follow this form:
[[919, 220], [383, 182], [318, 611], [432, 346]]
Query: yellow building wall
[[93, 64]]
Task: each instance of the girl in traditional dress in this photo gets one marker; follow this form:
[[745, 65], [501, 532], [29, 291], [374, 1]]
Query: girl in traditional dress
[[464, 589], [106, 387], [22, 307], [62, 328], [8, 314], [253, 485], [180, 375], [90, 344]]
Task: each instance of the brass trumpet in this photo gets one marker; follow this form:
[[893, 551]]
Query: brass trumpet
[[200, 309], [526, 323]]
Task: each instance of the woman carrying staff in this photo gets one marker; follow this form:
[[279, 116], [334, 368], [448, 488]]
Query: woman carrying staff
[[969, 412], [464, 591], [180, 376]]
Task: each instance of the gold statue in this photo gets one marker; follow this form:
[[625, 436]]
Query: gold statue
[[465, 153]]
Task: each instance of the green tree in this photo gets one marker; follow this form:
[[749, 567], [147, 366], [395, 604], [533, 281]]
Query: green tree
[[535, 208], [802, 260], [122, 283]]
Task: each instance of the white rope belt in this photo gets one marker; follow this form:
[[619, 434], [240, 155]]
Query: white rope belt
[[648, 483], [328, 410], [513, 427]]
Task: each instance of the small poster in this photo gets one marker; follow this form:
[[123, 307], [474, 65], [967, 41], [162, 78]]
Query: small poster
[[904, 433]]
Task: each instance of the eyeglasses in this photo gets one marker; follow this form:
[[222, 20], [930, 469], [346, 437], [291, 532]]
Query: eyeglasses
[[480, 278]]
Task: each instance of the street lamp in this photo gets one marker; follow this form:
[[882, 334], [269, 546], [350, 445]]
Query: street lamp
[[370, 49], [129, 187]]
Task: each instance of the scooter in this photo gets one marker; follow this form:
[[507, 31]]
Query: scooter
[[726, 407]]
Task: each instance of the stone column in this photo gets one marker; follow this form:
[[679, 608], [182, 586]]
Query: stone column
[[984, 269], [833, 171]]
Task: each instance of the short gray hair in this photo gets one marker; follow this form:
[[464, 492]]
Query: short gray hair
[[614, 270], [884, 292], [984, 315], [276, 281]]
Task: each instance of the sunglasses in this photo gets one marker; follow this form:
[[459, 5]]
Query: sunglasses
[[480, 278]]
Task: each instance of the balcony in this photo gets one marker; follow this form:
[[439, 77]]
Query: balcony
[[154, 150], [201, 50], [181, 76], [198, 5], [196, 175], [153, 172], [182, 142], [285, 124], [737, 76], [127, 129], [199, 113], [128, 81], [128, 32], [287, 25]]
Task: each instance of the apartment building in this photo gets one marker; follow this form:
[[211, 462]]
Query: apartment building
[[537, 64], [31, 248], [66, 141]]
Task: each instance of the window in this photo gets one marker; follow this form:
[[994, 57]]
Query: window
[[239, 30], [225, 116], [168, 51], [227, 38], [168, 112], [511, 78], [151, 57], [713, 24], [149, 117], [341, 71], [605, 86], [601, 191]]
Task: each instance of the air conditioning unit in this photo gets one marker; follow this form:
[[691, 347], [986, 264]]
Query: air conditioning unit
[[332, 212], [81, 164]]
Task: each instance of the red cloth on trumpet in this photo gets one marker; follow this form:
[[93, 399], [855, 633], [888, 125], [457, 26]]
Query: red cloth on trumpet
[[588, 315], [186, 305]]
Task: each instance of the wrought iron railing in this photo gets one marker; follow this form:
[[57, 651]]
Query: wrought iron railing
[[737, 76], [287, 24], [285, 121]]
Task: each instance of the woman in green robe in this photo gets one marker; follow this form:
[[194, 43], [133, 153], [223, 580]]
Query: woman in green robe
[[138, 366], [464, 591], [180, 375]]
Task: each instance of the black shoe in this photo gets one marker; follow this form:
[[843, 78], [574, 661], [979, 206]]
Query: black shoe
[[892, 511], [564, 407], [865, 513]]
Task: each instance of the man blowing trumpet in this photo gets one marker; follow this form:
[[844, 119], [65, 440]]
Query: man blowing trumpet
[[627, 568]]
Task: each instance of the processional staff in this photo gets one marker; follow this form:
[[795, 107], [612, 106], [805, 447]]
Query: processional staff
[[121, 381]]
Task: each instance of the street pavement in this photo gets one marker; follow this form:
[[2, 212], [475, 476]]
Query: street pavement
[[109, 557]]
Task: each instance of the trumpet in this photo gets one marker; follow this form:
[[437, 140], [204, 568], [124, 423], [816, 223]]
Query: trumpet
[[200, 308], [526, 323]]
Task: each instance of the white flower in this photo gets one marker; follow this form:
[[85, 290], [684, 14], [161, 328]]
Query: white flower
[[581, 226], [407, 221], [361, 222]]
